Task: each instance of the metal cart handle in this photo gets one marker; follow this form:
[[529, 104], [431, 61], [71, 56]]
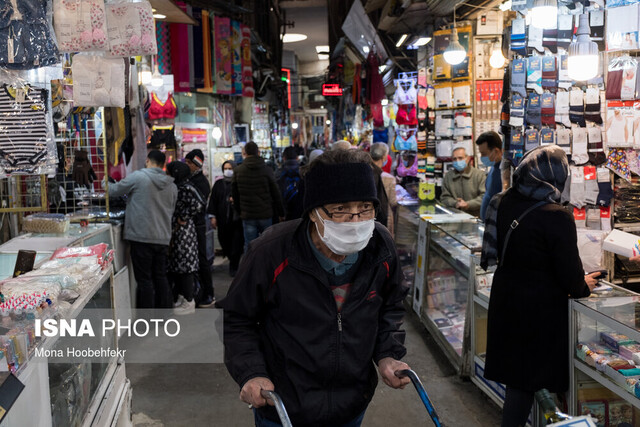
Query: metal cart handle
[[422, 392], [282, 412]]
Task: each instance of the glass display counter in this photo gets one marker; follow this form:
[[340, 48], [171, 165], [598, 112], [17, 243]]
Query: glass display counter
[[605, 350], [441, 294]]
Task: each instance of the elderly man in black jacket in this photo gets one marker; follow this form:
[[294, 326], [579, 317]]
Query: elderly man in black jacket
[[195, 160], [255, 193], [317, 303]]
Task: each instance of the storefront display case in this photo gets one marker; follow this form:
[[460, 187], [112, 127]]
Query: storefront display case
[[605, 332], [442, 295]]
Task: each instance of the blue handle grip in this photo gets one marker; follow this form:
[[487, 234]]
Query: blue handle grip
[[422, 392]]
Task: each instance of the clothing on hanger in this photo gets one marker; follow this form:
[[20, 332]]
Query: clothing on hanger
[[162, 110]]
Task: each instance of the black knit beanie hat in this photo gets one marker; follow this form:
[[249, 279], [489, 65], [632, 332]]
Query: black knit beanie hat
[[338, 183], [196, 156]]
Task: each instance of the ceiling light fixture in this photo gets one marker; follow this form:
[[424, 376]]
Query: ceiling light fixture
[[382, 68], [422, 41], [544, 14], [505, 6], [583, 53], [293, 37], [159, 16], [497, 59], [294, 126], [455, 53], [401, 40], [328, 122], [216, 133], [384, 102]]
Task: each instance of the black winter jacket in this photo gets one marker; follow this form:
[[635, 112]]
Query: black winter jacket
[[202, 185], [281, 322], [255, 192]]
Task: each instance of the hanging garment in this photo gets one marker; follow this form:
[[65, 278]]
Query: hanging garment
[[163, 41], [407, 115], [23, 128], [131, 29], [405, 170], [162, 137], [356, 89], [409, 144], [80, 25], [375, 86], [402, 97], [98, 81], [162, 110]]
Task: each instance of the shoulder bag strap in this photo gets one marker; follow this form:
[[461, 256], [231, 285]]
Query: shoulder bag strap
[[516, 223]]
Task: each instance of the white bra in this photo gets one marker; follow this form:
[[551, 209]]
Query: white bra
[[402, 97]]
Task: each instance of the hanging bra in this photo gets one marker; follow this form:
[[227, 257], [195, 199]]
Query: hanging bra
[[402, 97], [409, 144], [407, 171], [162, 110], [407, 115]]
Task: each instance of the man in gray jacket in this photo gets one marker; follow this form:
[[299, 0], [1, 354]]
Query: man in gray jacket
[[464, 186], [151, 198]]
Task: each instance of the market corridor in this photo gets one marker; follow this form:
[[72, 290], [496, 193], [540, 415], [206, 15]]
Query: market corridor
[[205, 395]]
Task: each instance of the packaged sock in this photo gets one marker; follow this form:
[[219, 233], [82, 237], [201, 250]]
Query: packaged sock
[[519, 76], [534, 73], [519, 5], [576, 107], [550, 38], [580, 216], [579, 153], [516, 146], [534, 39], [595, 148], [564, 81], [565, 30], [549, 73], [605, 218], [591, 186], [592, 106], [577, 186], [605, 192], [596, 23], [547, 136], [531, 139], [562, 108], [563, 136], [548, 110], [519, 36], [516, 118], [534, 110], [593, 218], [614, 84]]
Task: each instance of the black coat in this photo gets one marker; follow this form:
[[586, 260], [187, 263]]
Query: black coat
[[281, 322], [219, 204], [201, 183], [255, 192], [528, 341], [291, 189], [383, 210]]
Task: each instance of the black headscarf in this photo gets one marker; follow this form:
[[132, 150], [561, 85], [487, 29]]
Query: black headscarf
[[179, 171], [541, 176]]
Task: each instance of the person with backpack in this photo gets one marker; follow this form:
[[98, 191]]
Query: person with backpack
[[290, 184]]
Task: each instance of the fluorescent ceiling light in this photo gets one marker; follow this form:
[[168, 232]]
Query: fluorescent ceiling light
[[323, 56], [421, 41], [322, 49], [401, 40], [505, 6], [365, 49], [382, 68], [159, 16], [293, 37]]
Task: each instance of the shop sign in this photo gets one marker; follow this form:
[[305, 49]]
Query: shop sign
[[331, 89]]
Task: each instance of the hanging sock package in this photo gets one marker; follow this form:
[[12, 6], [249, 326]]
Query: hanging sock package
[[98, 81], [80, 25], [131, 29], [26, 39]]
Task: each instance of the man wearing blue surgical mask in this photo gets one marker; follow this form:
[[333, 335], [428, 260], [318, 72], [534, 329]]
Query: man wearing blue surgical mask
[[463, 186], [318, 302], [490, 148]]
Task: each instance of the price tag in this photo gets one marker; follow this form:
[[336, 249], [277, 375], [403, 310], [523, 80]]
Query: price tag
[[11, 55], [20, 95]]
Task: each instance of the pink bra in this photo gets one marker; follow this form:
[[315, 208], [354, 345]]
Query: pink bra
[[407, 171]]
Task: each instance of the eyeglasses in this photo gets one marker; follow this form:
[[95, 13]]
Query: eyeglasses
[[348, 216]]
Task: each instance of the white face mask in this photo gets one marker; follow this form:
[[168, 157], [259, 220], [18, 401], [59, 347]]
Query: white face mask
[[346, 238], [228, 173]]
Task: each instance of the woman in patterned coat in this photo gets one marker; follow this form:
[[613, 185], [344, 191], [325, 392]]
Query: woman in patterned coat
[[183, 257]]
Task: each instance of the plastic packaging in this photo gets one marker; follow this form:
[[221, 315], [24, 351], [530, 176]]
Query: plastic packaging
[[98, 81], [46, 223], [80, 25], [131, 29]]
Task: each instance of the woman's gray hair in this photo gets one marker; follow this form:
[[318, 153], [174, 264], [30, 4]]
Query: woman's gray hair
[[379, 150]]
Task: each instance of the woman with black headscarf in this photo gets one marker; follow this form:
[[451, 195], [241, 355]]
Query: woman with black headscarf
[[225, 218], [183, 257], [533, 240]]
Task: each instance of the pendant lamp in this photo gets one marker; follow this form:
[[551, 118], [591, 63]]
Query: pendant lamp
[[583, 53]]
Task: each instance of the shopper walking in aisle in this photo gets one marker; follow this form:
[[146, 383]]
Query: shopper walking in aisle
[[539, 268], [463, 187], [490, 147], [317, 301], [290, 183], [225, 219], [256, 195], [151, 199], [385, 184], [183, 259], [195, 160]]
